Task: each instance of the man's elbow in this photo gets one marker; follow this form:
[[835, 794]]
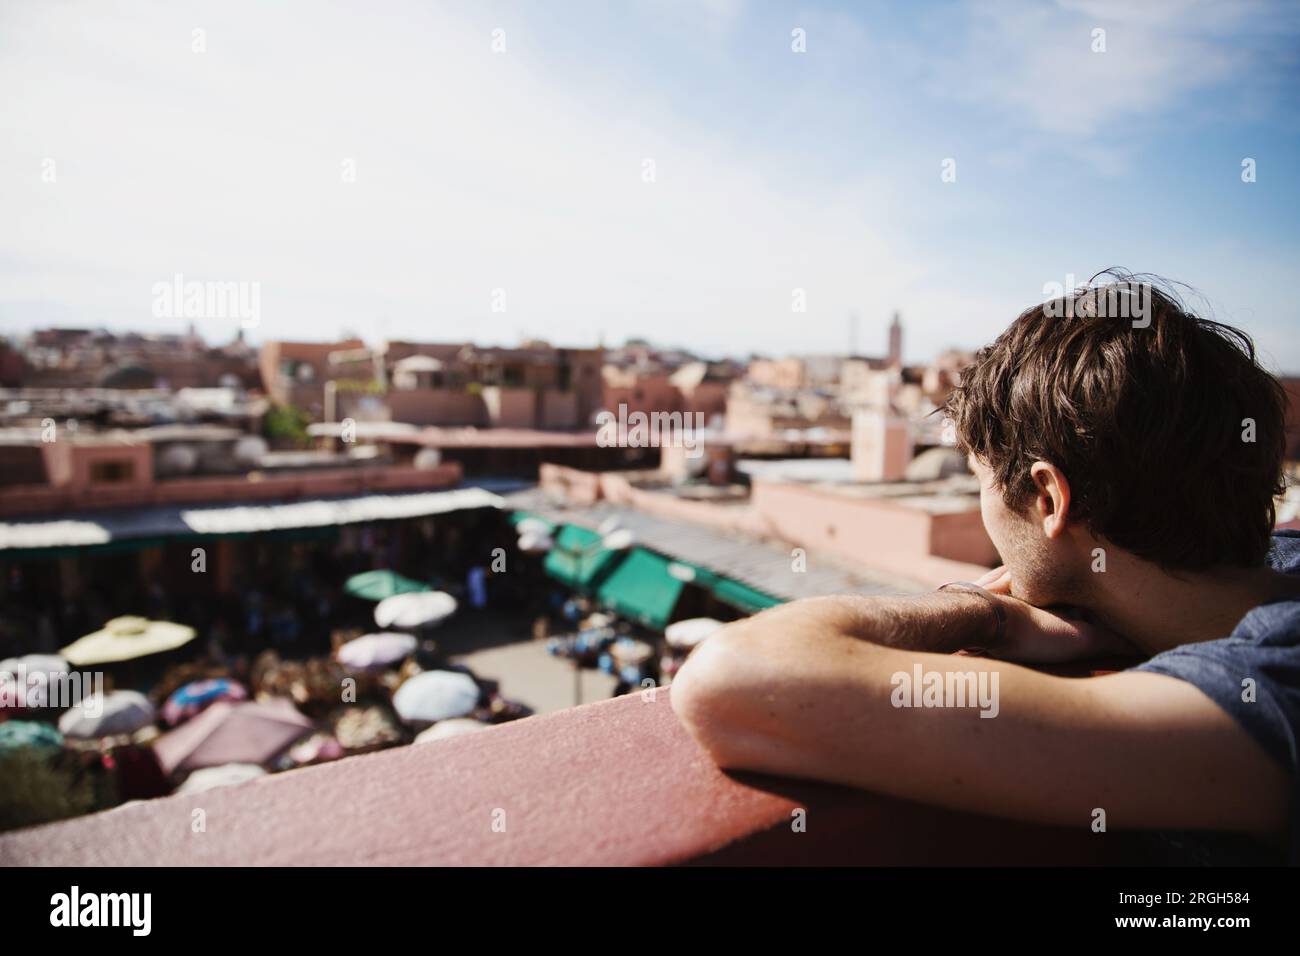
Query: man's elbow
[[714, 694]]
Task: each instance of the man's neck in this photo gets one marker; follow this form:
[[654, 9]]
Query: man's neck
[[1156, 610]]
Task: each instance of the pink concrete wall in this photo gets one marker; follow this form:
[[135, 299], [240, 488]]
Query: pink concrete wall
[[58, 463], [709, 398], [615, 783], [881, 446], [559, 409], [68, 464], [44, 500], [640, 393], [961, 537], [875, 533], [510, 407], [437, 406]]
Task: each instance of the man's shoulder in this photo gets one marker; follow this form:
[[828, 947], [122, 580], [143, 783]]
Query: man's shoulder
[[1284, 553]]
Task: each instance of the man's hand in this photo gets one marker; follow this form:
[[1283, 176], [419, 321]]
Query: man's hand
[[1048, 635]]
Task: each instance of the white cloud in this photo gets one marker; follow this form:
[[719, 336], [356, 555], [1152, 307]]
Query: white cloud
[[1036, 64]]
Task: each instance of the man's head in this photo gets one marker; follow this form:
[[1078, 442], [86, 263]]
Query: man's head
[[1116, 418]]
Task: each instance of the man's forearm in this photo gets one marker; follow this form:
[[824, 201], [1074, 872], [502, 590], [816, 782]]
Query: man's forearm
[[939, 622]]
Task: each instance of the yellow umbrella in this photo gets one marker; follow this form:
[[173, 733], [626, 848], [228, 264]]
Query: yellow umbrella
[[125, 639]]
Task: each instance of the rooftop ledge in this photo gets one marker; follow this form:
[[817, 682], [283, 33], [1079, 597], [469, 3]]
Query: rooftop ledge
[[619, 782]]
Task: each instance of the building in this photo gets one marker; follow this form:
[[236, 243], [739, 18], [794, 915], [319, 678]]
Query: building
[[535, 385]]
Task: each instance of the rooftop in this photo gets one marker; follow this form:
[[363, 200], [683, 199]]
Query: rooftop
[[100, 528], [761, 564]]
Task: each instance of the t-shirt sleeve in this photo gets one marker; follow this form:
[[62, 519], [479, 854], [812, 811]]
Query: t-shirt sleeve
[[1255, 676], [1258, 684]]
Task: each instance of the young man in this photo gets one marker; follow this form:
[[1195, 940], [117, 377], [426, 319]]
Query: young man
[[1128, 454]]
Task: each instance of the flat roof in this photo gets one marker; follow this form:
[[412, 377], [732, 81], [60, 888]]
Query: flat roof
[[89, 530], [762, 564]]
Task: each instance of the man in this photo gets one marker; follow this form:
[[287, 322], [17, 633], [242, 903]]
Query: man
[[1128, 461]]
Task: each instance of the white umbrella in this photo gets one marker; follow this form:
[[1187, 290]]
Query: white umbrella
[[209, 778], [415, 610], [105, 715], [535, 542], [534, 526], [686, 634], [620, 539], [371, 651], [454, 727], [434, 696]]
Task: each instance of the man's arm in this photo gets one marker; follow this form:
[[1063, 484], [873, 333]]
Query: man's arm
[[798, 691]]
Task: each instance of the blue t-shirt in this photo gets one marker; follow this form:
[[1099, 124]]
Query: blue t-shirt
[[1264, 648]]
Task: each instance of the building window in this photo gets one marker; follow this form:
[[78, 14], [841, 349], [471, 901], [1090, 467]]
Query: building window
[[111, 472]]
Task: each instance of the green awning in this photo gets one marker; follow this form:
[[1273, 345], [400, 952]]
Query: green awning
[[728, 590], [641, 589], [378, 585], [742, 596], [577, 558]]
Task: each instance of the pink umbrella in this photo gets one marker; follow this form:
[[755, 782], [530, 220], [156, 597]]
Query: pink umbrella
[[232, 732]]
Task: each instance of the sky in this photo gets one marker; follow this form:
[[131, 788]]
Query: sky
[[678, 171]]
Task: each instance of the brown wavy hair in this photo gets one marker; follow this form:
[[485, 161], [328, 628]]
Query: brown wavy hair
[[1151, 425]]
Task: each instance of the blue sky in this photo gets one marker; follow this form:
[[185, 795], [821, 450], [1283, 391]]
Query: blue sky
[[523, 170]]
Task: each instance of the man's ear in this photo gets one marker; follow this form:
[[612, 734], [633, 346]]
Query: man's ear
[[1051, 504]]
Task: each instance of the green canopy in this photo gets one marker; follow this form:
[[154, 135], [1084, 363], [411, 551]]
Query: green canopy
[[641, 588], [378, 585], [729, 590], [742, 596], [577, 559]]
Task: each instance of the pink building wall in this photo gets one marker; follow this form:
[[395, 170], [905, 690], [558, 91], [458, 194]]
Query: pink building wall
[[877, 532], [881, 446], [42, 499], [69, 464], [639, 392], [890, 537], [510, 407], [437, 406], [559, 409]]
